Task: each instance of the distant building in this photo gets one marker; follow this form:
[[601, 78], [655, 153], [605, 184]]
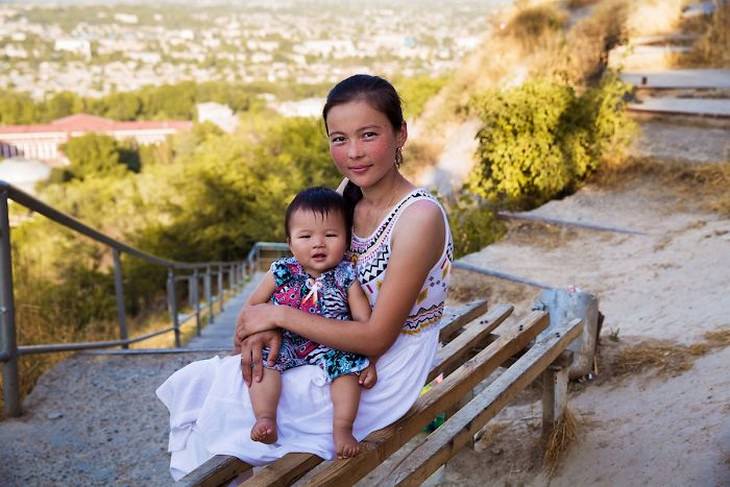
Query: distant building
[[219, 114], [308, 107], [79, 46], [23, 173], [43, 141], [126, 18]]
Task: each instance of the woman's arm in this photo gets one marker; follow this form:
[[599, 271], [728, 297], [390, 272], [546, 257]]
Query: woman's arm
[[251, 347], [417, 244], [260, 295]]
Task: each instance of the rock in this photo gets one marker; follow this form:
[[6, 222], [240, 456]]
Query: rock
[[55, 415]]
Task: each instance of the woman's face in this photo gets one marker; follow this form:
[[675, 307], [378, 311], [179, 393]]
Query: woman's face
[[363, 142]]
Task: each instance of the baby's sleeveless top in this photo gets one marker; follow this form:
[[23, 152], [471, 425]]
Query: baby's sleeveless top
[[371, 256]]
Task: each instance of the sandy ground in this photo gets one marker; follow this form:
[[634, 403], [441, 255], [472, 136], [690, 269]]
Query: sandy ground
[[669, 284]]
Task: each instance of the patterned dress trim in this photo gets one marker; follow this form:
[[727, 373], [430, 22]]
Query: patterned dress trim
[[371, 256]]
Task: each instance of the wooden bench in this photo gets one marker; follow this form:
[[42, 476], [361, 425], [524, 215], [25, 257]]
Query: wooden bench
[[472, 349]]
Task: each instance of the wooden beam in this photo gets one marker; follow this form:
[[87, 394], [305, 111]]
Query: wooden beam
[[217, 471], [446, 441], [383, 443], [555, 391], [455, 318], [453, 354], [285, 471]]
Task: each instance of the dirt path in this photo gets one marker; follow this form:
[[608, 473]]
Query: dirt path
[[670, 284]]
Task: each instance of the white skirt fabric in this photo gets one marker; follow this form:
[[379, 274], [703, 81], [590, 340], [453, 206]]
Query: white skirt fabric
[[211, 414]]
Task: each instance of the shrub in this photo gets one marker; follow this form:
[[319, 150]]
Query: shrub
[[473, 225], [540, 140]]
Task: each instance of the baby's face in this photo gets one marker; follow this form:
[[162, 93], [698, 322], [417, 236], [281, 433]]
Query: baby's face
[[317, 242]]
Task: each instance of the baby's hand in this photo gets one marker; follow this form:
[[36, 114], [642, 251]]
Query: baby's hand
[[368, 377]]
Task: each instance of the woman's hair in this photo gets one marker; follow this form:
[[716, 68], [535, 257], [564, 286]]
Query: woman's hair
[[381, 96], [322, 201], [376, 91]]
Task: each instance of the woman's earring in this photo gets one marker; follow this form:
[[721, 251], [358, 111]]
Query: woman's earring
[[398, 157]]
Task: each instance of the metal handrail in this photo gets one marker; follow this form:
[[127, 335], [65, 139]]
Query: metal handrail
[[68, 221], [9, 349]]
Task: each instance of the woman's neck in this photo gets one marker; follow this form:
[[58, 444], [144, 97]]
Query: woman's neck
[[386, 192]]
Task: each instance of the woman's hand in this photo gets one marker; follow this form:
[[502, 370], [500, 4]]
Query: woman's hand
[[251, 356], [254, 319]]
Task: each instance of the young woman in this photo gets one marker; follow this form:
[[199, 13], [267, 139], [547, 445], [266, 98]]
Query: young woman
[[402, 249]]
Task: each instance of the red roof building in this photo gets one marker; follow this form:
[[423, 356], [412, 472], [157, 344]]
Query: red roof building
[[43, 141]]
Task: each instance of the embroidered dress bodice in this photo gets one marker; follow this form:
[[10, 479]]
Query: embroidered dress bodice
[[371, 256]]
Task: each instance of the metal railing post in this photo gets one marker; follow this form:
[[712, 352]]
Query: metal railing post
[[119, 291], [172, 301], [208, 295], [11, 382], [196, 300], [231, 278], [191, 303], [221, 293]]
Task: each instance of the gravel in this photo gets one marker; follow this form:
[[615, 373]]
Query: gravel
[[93, 420]]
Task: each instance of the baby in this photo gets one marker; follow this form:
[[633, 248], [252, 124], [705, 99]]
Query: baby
[[317, 280]]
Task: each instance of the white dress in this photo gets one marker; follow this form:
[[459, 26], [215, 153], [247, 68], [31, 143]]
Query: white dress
[[210, 409]]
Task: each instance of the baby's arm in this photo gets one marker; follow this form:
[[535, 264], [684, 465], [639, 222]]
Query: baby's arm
[[360, 311], [262, 293]]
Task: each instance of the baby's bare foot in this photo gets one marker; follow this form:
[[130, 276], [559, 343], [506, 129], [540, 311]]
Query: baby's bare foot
[[346, 445], [264, 431]]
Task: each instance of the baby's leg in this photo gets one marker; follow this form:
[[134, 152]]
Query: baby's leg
[[345, 394], [264, 399]]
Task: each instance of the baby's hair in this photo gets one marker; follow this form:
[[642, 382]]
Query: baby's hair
[[322, 201]]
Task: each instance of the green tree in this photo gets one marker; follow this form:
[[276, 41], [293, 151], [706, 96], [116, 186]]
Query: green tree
[[63, 104], [94, 155], [17, 108]]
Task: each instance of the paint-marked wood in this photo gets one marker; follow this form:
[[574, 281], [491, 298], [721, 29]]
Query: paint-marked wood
[[452, 355], [443, 443], [285, 471], [217, 471], [382, 444], [455, 318]]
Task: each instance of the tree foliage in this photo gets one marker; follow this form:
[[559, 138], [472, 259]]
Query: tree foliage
[[97, 154], [541, 139]]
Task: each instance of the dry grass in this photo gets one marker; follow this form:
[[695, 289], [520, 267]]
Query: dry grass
[[531, 27], [580, 3], [702, 184], [562, 437], [712, 49], [665, 358]]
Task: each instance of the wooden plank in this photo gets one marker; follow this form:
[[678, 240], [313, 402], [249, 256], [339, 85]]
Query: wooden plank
[[217, 471], [554, 397], [455, 318], [381, 444], [446, 441], [285, 471], [452, 355]]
